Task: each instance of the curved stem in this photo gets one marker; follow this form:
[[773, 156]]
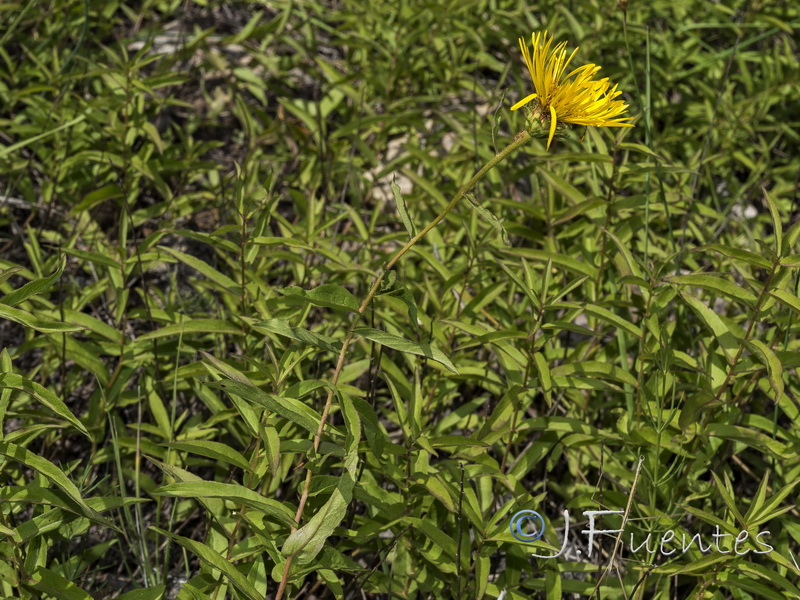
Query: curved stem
[[521, 138]]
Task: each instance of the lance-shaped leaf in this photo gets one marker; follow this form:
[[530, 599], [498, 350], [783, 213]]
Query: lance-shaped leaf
[[43, 395], [305, 336], [56, 477], [36, 286], [228, 491], [28, 320], [710, 319], [5, 393], [787, 299], [53, 584], [207, 270], [402, 211], [391, 287], [489, 217], [767, 357], [328, 295], [213, 450], [305, 543], [403, 345], [715, 284], [215, 560], [746, 256], [288, 408]]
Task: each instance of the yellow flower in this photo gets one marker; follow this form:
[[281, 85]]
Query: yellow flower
[[574, 98]]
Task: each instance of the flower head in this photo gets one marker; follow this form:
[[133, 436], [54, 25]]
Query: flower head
[[575, 98]]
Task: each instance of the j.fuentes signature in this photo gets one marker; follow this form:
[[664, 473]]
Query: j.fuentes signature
[[666, 544]]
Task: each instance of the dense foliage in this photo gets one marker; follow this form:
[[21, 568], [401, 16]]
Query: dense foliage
[[196, 199]]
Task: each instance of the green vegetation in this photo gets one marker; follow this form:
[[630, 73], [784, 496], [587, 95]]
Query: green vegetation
[[196, 200]]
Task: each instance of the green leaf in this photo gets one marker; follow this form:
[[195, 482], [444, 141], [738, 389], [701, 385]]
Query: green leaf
[[787, 299], [92, 324], [248, 76], [639, 148], [281, 327], [28, 320], [564, 425], [624, 249], [66, 509], [564, 326], [5, 392], [151, 593], [483, 568], [577, 209], [272, 443], [771, 507], [45, 522], [38, 495], [305, 543], [523, 286], [215, 560], [771, 575], [391, 287], [726, 339], [44, 396], [214, 506], [715, 284], [612, 319], [767, 357], [232, 492], [402, 210], [700, 566], [492, 337], [288, 408], [489, 217], [552, 583], [544, 372], [46, 468], [434, 485], [738, 254], [694, 406], [376, 438], [791, 260], [758, 500], [755, 439], [328, 295], [789, 240], [567, 190], [213, 450], [777, 227], [4, 150], [403, 345], [247, 30], [6, 274], [93, 198], [559, 259], [594, 369], [34, 287], [192, 326], [53, 584], [228, 284], [727, 497]]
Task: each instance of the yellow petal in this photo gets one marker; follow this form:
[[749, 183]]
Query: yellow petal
[[552, 126], [523, 102]]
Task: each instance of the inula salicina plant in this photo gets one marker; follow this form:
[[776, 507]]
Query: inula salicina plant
[[250, 349], [581, 101]]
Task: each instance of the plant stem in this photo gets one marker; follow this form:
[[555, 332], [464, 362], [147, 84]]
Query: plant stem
[[759, 303], [520, 139]]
